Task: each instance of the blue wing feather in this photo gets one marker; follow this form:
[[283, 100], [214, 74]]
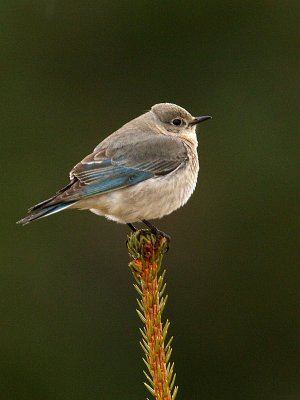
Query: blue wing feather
[[121, 160], [115, 167], [99, 181]]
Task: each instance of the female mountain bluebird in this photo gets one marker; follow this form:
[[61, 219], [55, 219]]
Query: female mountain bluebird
[[145, 170]]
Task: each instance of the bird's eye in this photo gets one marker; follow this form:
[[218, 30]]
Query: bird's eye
[[177, 122]]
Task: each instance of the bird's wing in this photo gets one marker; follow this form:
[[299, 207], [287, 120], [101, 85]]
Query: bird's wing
[[116, 164]]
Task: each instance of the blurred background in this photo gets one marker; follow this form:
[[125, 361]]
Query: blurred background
[[73, 72]]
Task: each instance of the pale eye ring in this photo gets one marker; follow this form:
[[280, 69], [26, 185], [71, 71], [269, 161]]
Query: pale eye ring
[[177, 122]]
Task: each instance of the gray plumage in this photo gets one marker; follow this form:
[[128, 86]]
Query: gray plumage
[[145, 170]]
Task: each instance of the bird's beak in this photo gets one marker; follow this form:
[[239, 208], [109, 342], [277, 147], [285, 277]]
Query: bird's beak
[[197, 120]]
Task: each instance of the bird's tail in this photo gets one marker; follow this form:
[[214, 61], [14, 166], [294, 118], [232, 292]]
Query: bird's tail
[[44, 209]]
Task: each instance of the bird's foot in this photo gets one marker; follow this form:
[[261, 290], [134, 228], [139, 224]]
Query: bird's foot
[[158, 234]]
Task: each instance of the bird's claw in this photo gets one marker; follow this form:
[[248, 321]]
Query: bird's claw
[[159, 235]]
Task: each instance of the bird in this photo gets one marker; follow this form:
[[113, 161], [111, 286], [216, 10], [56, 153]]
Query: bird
[[143, 171]]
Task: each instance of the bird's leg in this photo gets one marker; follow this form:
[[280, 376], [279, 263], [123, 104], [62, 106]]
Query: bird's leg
[[159, 234], [132, 227]]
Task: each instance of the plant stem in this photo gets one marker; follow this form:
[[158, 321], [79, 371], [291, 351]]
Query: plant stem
[[147, 256]]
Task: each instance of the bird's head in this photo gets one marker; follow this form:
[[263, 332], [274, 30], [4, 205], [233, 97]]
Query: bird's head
[[176, 119]]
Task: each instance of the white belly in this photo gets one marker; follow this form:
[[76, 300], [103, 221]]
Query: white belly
[[150, 199]]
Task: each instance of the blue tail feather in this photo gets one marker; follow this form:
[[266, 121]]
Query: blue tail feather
[[44, 211]]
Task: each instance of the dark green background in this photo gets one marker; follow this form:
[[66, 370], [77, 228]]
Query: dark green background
[[71, 73]]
